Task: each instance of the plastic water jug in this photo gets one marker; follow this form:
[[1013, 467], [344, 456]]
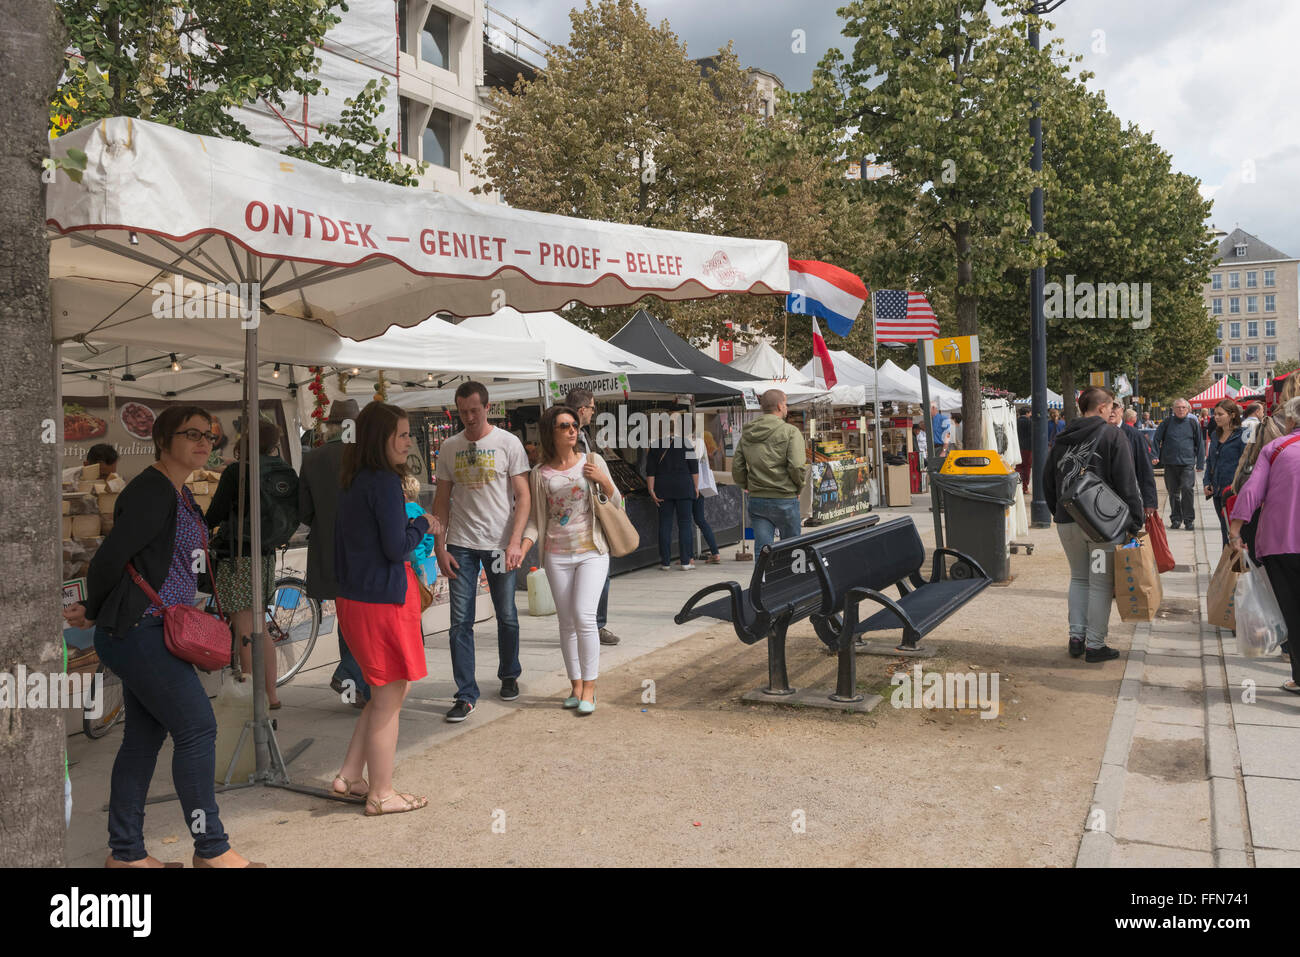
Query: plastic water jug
[[540, 600], [233, 709]]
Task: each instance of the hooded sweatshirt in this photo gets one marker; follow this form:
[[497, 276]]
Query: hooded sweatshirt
[[770, 460], [1092, 442]]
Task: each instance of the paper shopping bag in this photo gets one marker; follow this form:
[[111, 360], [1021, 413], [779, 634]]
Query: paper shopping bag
[[1138, 592], [1220, 604], [1160, 543]]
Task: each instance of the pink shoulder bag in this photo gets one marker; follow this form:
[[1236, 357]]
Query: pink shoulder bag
[[190, 633]]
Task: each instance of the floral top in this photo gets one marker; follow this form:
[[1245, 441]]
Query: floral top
[[191, 535], [568, 510]]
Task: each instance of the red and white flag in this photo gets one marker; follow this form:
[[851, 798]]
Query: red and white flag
[[823, 368]]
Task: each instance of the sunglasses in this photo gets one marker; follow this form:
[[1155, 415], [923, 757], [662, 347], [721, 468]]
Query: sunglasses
[[194, 435], [569, 426]]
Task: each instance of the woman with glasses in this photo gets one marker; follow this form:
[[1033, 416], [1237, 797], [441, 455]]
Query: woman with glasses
[[572, 545], [159, 530], [234, 570]]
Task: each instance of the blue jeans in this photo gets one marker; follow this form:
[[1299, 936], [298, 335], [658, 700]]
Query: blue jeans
[[348, 669], [464, 590], [771, 515], [697, 512], [163, 696], [681, 509]]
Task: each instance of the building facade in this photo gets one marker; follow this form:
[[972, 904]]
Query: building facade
[[1253, 297]]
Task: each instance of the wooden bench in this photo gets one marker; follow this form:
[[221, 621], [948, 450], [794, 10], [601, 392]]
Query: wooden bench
[[806, 576]]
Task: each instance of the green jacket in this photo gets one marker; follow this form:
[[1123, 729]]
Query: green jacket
[[770, 460]]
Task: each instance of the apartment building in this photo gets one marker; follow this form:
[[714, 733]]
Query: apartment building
[[1252, 295]]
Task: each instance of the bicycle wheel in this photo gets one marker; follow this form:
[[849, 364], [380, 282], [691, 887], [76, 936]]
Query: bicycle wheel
[[293, 622], [110, 704]]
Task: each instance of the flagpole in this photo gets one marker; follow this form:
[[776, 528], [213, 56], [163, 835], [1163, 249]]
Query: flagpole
[[930, 445], [875, 359]]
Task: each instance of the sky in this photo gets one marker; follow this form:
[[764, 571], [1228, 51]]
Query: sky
[[1213, 80]]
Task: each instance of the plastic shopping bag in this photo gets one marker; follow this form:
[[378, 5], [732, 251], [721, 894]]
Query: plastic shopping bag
[[1260, 628], [1160, 543]]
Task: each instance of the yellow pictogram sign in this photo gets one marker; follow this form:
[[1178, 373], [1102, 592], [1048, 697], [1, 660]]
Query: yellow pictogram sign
[[950, 352]]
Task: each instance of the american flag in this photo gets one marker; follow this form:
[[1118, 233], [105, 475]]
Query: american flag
[[904, 316]]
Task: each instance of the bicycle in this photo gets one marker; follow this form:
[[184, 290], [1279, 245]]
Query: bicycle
[[112, 705]]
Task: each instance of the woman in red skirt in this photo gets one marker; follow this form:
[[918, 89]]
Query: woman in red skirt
[[378, 602]]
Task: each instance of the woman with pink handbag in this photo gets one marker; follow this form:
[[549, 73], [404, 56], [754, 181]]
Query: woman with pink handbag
[[158, 530]]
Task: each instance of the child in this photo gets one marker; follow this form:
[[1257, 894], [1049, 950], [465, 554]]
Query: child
[[420, 554]]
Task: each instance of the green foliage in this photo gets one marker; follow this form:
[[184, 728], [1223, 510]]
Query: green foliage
[[1285, 366], [189, 63], [337, 145]]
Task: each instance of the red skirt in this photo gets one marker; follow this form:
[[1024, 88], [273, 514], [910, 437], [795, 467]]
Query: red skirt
[[386, 640]]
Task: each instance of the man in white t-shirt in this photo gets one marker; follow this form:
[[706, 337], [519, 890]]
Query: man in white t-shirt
[[482, 501]]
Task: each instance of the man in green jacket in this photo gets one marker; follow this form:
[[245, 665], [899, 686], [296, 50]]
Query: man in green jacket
[[771, 466]]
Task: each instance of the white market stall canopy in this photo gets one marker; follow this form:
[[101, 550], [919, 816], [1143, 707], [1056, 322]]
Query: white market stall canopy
[[764, 362], [158, 206], [947, 398], [852, 372]]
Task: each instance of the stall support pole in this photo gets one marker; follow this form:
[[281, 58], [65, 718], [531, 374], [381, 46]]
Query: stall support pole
[[930, 445], [880, 451]]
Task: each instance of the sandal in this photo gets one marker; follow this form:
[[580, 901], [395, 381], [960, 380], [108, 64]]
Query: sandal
[[348, 792], [409, 803], [1290, 686]]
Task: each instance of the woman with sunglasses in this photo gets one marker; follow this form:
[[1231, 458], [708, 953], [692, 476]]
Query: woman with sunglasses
[[572, 545], [159, 529]]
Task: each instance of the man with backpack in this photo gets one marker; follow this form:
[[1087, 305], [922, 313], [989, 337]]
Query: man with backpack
[[1085, 450], [1180, 446], [278, 498], [318, 504]]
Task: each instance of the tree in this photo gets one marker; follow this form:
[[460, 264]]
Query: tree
[[31, 740], [941, 96], [189, 63], [623, 127], [1285, 366], [1121, 218]]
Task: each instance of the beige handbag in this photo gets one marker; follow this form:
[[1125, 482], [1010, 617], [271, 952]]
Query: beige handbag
[[619, 533]]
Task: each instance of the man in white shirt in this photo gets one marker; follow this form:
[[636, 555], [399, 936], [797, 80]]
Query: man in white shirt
[[482, 501]]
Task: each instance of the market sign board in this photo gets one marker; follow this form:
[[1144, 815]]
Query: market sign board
[[612, 384], [952, 351], [839, 489]]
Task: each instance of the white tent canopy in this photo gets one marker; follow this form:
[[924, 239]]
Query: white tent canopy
[[851, 371], [947, 398], [764, 362]]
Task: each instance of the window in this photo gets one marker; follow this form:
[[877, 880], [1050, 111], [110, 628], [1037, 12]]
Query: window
[[1270, 328], [1235, 354], [1270, 354], [407, 132], [1218, 355], [402, 38], [1219, 331], [1270, 303], [1252, 353], [1252, 329], [1234, 330], [1252, 303], [1216, 281], [436, 142], [435, 47], [1217, 306], [1234, 280], [1254, 380], [1234, 304], [1250, 279], [1269, 277], [1239, 249]]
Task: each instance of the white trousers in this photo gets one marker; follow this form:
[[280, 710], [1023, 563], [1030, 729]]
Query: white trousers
[[576, 583]]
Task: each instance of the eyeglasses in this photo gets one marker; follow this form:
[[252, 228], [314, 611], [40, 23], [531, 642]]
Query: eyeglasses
[[569, 426], [194, 435]]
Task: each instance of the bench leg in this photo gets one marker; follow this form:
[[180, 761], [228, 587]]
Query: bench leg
[[778, 681], [846, 683]]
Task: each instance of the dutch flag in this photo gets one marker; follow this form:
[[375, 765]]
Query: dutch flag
[[826, 291]]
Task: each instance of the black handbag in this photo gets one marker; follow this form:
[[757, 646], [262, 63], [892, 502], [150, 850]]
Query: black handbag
[[1096, 508]]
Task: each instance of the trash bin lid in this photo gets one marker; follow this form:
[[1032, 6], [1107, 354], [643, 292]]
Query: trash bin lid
[[974, 462], [999, 489]]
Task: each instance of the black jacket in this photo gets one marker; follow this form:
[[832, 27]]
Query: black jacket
[[1145, 474], [1180, 442], [318, 506], [144, 533], [1110, 457], [1025, 433]]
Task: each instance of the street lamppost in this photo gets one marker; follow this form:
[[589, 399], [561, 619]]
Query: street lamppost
[[1040, 515]]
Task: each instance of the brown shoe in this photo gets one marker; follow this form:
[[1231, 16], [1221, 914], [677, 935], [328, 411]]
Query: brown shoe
[[148, 861], [228, 859], [714, 559]]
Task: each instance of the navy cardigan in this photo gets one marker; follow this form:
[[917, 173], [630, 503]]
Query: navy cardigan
[[372, 537]]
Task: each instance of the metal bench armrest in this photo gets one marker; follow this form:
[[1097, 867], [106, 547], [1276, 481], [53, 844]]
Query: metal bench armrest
[[851, 600], [962, 557], [688, 610]]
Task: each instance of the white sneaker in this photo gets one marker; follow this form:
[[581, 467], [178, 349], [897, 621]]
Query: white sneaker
[[665, 568], [687, 568]]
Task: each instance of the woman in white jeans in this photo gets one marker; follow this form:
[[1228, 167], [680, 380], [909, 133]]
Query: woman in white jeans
[[572, 544]]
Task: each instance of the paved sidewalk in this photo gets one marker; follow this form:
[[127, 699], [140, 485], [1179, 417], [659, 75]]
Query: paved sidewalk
[[1202, 765]]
